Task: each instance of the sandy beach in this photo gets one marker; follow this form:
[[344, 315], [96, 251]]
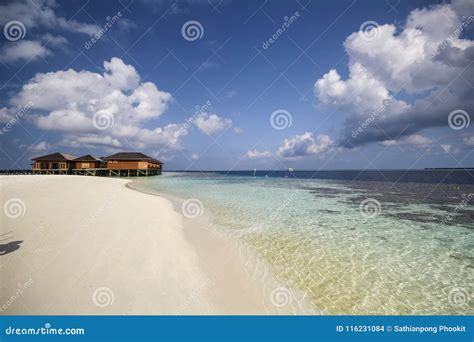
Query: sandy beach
[[90, 245]]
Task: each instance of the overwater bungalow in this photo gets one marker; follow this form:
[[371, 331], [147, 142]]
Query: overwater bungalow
[[127, 164], [53, 164], [122, 164], [89, 166]]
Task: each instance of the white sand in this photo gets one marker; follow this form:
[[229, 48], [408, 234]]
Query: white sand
[[88, 235]]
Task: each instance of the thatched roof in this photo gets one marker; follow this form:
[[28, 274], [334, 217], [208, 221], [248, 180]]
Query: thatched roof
[[88, 158], [132, 156], [54, 157]]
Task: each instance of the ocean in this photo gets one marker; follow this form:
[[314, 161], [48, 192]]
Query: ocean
[[351, 242]]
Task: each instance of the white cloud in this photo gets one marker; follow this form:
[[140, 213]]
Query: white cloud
[[414, 140], [53, 40], [26, 50], [254, 154], [304, 145], [194, 156], [469, 141], [5, 115], [121, 75], [41, 14], [68, 100], [212, 123], [40, 147], [425, 59], [91, 140], [34, 15], [238, 130]]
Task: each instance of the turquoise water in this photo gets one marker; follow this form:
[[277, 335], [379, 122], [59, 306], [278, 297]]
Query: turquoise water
[[349, 247]]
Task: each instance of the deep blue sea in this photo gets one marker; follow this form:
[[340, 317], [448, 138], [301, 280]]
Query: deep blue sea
[[447, 176]]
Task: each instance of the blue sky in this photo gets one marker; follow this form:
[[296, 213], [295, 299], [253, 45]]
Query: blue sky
[[365, 84]]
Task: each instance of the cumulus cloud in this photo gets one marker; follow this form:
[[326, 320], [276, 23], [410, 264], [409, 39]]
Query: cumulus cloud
[[254, 154], [423, 59], [212, 123], [75, 102], [194, 156], [304, 145]]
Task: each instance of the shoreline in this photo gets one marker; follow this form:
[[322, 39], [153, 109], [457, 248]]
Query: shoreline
[[276, 297], [92, 246]]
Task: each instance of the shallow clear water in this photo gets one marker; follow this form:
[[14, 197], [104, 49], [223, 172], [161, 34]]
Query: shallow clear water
[[393, 255]]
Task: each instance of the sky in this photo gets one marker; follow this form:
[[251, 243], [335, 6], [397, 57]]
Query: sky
[[237, 85]]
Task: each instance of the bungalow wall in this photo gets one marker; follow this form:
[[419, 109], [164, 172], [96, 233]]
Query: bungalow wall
[[87, 165], [127, 165], [50, 166]]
